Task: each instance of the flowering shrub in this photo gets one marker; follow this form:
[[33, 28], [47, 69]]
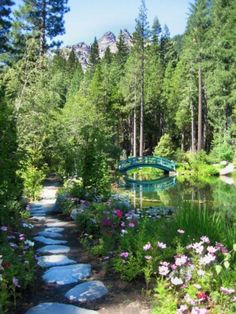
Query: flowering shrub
[[16, 264], [201, 280]]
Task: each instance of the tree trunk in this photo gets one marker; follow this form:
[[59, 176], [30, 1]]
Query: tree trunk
[[141, 143], [135, 133], [193, 135], [43, 29], [199, 145]]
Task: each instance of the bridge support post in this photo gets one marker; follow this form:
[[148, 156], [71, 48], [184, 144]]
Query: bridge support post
[[166, 172]]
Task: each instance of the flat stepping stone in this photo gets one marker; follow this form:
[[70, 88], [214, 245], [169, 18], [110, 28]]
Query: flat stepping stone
[[58, 308], [64, 275], [57, 224], [49, 241], [87, 291], [53, 235], [54, 260], [54, 249], [54, 229]]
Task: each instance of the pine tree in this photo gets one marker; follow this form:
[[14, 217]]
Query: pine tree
[[94, 55], [42, 19], [5, 24], [140, 38]]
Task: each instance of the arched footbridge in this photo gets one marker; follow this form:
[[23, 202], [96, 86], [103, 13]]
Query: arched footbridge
[[147, 161]]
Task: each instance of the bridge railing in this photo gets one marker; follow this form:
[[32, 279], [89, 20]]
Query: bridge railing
[[148, 160]]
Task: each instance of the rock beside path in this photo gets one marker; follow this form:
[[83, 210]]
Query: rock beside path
[[229, 169], [58, 308]]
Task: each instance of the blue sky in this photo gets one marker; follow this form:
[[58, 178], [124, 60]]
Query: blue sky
[[90, 18]]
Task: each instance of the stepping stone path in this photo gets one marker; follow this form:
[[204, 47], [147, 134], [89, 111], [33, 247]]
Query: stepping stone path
[[58, 308], [87, 292], [67, 274], [61, 269], [54, 249]]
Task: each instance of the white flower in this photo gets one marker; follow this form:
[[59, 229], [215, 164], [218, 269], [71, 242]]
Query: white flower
[[181, 260], [163, 270], [201, 272], [176, 281], [212, 249], [207, 259], [205, 239], [161, 245]]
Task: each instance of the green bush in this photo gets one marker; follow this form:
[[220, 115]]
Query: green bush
[[165, 147], [33, 178], [222, 150]]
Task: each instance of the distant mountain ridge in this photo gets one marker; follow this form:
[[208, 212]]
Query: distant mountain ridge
[[82, 50]]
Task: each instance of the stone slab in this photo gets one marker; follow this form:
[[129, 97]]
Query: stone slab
[[57, 224], [53, 235], [64, 275], [54, 249], [54, 229], [87, 292], [58, 308], [49, 241], [54, 260]]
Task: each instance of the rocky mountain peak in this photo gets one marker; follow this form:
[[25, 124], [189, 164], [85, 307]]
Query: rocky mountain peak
[[82, 50], [107, 40]]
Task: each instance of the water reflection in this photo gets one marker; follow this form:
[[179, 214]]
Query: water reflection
[[174, 192]]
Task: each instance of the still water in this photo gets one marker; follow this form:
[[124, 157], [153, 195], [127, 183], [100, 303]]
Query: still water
[[213, 193]]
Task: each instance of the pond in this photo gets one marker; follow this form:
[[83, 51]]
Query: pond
[[173, 192]]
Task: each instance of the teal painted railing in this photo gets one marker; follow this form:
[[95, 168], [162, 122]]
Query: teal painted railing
[[147, 161]]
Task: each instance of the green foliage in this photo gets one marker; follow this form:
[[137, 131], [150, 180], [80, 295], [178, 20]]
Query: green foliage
[[32, 179], [164, 300], [222, 150], [164, 147]]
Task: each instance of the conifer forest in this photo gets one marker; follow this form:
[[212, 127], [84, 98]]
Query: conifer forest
[[67, 127]]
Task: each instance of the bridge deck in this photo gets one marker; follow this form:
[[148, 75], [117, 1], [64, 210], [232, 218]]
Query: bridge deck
[[146, 161]]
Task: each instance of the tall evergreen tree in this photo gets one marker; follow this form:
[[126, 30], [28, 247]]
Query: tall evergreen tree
[[42, 19], [5, 24], [94, 55], [140, 38]]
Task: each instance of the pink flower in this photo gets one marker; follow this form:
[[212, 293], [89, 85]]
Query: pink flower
[[183, 309], [202, 296], [227, 291], [189, 300], [207, 259], [124, 254], [205, 239], [211, 249], [147, 246], [164, 264], [119, 213], [181, 260], [163, 270], [221, 247], [176, 281], [122, 224], [198, 310], [161, 245], [181, 231], [131, 225], [198, 247]]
